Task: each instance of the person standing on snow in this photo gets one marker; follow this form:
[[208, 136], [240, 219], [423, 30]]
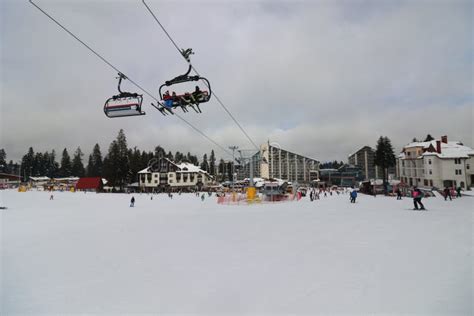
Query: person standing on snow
[[132, 202], [417, 196]]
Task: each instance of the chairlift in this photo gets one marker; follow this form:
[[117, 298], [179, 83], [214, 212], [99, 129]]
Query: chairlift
[[185, 100], [123, 104]]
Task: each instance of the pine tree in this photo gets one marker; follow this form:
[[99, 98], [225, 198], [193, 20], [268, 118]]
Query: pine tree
[[212, 164], [94, 165], [77, 168], [66, 166], [27, 164], [221, 170], [159, 152], [135, 158], [123, 163], [204, 164], [384, 158], [53, 165], [111, 162], [3, 160]]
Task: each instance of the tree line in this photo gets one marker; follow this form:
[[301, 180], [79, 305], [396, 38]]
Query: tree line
[[119, 166]]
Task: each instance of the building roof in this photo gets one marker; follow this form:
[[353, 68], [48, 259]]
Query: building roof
[[39, 178], [452, 149], [89, 183], [8, 176], [182, 167], [67, 179], [362, 149]]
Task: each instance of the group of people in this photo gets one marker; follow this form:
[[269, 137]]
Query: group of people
[[448, 193], [173, 100]]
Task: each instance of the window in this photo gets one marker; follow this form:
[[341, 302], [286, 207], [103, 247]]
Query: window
[[171, 181], [178, 177], [156, 181], [458, 171], [431, 183], [467, 166], [403, 163], [431, 171], [425, 182], [429, 161]]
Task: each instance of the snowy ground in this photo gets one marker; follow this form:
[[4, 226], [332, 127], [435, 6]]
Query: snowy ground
[[92, 253]]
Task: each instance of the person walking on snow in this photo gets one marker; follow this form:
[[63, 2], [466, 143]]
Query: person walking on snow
[[417, 196], [353, 196], [132, 202], [447, 193], [458, 192], [399, 194]]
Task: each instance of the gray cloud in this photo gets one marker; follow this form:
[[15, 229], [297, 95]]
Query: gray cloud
[[321, 78]]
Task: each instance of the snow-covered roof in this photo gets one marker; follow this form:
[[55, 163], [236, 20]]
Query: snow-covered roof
[[189, 167], [452, 149], [67, 179], [183, 167], [146, 170], [39, 178]]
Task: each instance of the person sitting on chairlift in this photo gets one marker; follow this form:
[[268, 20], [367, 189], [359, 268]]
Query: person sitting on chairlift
[[197, 94], [168, 100]]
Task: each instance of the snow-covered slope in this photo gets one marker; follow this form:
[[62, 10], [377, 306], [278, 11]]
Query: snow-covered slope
[[92, 253]]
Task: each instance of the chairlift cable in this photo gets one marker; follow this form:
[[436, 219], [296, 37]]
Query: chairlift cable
[[133, 82], [194, 69]]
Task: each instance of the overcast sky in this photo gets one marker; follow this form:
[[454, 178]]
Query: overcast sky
[[321, 78]]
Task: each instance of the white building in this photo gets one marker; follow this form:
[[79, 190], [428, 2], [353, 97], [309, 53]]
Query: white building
[[164, 174], [273, 162], [436, 163]]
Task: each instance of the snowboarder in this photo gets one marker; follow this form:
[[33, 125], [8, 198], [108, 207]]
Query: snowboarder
[[132, 202], [203, 197], [447, 193], [417, 196], [51, 197]]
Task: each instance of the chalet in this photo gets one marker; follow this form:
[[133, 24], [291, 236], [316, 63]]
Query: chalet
[[165, 175], [437, 163]]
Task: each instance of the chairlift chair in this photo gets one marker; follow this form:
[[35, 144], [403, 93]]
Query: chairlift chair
[[190, 99], [123, 104]]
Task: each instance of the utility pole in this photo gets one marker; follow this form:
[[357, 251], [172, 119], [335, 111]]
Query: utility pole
[[233, 148]]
